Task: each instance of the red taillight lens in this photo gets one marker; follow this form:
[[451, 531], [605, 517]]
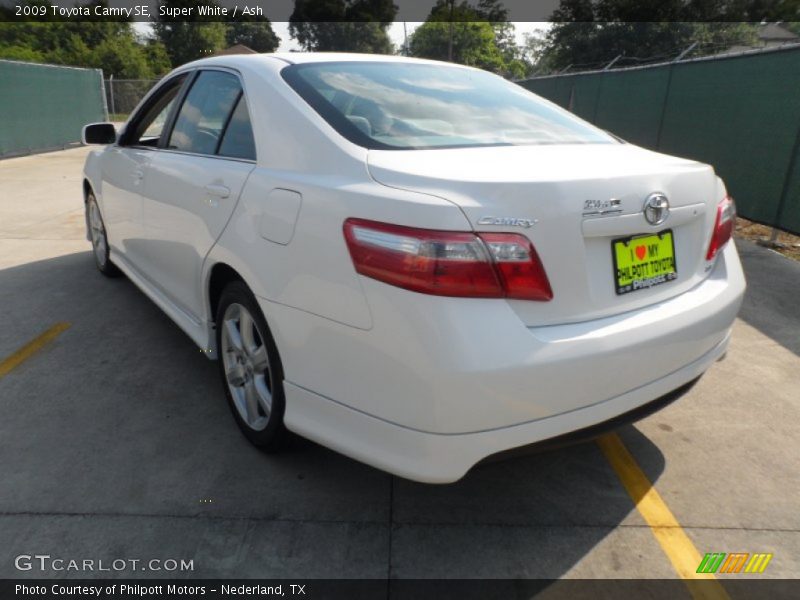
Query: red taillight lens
[[521, 271], [723, 226], [446, 263]]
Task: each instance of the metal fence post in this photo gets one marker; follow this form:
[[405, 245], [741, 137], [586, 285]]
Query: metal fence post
[[103, 93], [111, 91], [612, 63]]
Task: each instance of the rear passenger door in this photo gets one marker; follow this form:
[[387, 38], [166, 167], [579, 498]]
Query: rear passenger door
[[193, 183]]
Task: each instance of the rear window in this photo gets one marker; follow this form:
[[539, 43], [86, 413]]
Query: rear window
[[387, 105]]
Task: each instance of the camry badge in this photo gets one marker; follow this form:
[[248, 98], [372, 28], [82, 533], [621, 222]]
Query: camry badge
[[508, 221], [601, 208], [656, 208]]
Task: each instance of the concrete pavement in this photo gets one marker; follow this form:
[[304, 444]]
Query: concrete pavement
[[115, 442]]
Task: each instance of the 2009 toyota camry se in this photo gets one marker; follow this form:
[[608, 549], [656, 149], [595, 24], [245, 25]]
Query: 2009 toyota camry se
[[415, 263]]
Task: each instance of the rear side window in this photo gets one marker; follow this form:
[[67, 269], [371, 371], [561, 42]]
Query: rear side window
[[237, 142], [204, 114]]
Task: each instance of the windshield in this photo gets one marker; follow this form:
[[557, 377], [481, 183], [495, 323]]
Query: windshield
[[388, 105]]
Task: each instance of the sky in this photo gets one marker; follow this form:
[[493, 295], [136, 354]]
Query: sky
[[281, 28]]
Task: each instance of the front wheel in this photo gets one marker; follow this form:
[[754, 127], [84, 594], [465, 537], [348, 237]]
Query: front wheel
[[250, 368], [97, 230]]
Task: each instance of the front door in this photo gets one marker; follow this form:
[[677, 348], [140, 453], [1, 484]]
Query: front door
[[193, 184], [124, 167]]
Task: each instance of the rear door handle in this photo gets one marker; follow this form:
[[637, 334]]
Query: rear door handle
[[220, 191], [138, 174]]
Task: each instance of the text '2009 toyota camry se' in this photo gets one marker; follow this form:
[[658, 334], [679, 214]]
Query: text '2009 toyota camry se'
[[414, 263]]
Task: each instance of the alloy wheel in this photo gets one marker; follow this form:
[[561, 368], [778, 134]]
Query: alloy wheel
[[98, 234], [246, 366]]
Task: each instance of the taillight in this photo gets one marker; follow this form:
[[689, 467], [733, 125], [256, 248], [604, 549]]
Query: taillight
[[446, 263], [521, 272], [723, 226]]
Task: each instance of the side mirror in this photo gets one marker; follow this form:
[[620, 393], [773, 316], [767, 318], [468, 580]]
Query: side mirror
[[99, 133]]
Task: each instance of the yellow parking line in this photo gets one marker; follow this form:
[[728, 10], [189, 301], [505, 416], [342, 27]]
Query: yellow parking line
[[14, 360], [665, 527]]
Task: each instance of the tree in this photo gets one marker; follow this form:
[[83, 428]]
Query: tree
[[588, 34], [476, 35], [256, 34], [157, 57], [110, 45], [186, 41], [343, 25], [121, 57], [473, 43]]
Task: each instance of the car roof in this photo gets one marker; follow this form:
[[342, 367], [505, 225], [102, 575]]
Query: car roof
[[234, 60]]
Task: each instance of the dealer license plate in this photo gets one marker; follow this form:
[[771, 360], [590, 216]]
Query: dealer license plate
[[644, 261]]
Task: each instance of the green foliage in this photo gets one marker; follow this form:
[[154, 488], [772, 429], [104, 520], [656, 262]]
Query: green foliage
[[343, 25], [188, 41], [21, 53], [185, 42], [256, 35], [477, 35], [108, 45], [473, 43], [157, 57], [590, 33], [112, 45], [121, 56]]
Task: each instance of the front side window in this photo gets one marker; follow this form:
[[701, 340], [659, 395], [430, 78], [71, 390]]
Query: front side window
[[204, 113], [147, 127], [390, 105]]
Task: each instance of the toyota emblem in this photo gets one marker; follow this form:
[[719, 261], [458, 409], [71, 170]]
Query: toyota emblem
[[656, 208]]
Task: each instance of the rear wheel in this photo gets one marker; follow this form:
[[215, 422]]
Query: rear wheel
[[250, 368], [97, 231]]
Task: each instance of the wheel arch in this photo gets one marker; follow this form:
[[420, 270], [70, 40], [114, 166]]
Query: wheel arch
[[87, 189], [220, 275]]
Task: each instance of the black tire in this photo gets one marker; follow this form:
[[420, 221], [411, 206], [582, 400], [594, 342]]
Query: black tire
[[273, 437], [100, 252]]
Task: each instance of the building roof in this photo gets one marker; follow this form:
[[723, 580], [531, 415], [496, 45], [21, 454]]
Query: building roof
[[237, 49]]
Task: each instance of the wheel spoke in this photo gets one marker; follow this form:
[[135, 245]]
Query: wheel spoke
[[232, 333], [246, 330], [259, 358], [264, 395], [251, 402], [98, 233]]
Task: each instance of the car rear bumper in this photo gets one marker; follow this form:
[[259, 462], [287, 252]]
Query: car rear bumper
[[443, 458], [440, 383]]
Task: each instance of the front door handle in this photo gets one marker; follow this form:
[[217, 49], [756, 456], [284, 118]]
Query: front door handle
[[220, 191], [138, 174]]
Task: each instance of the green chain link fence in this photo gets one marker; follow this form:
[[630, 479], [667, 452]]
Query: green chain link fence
[[44, 107], [739, 113]]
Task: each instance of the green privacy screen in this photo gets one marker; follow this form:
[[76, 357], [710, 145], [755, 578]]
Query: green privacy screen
[[43, 107], [740, 114]]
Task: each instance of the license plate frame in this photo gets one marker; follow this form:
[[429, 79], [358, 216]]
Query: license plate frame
[[649, 272]]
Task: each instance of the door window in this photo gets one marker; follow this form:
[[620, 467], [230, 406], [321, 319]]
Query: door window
[[238, 142], [148, 125], [204, 114]]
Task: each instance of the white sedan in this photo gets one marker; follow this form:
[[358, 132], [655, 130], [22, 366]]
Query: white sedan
[[415, 263]]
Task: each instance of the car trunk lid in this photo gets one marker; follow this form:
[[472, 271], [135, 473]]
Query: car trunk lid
[[572, 201]]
